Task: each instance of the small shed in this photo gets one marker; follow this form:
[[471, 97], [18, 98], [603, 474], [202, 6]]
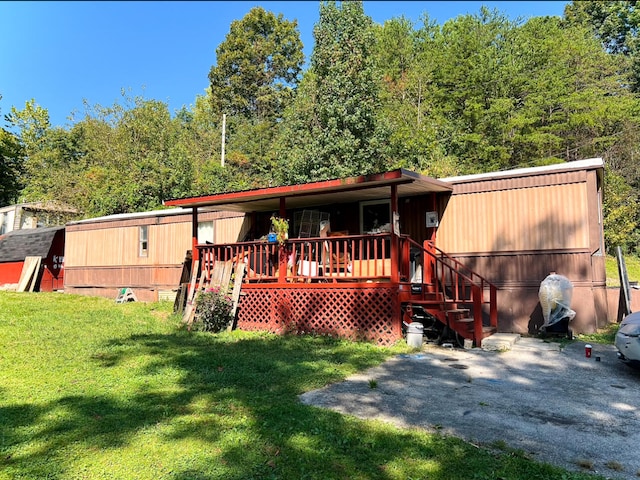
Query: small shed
[[35, 215], [47, 243], [144, 251]]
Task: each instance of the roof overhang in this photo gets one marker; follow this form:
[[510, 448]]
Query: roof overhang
[[344, 190]]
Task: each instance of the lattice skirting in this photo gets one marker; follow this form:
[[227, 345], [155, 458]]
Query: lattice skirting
[[358, 313]]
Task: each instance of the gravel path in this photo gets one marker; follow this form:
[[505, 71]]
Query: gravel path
[[558, 406]]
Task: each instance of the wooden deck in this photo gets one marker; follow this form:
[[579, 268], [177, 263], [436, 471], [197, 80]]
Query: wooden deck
[[355, 286]]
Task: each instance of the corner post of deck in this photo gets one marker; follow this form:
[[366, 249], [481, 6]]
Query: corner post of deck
[[395, 254], [195, 255], [281, 249]]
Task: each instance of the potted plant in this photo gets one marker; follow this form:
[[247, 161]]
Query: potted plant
[[280, 226]]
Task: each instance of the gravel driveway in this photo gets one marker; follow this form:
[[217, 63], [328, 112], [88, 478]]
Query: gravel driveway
[[558, 406]]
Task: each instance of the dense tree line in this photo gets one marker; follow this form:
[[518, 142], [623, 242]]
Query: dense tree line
[[478, 93]]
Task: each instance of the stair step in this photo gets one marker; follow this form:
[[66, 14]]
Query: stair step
[[458, 314], [433, 296], [488, 331], [427, 303], [463, 324]]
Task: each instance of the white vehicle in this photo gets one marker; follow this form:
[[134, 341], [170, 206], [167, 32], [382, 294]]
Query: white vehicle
[[628, 340]]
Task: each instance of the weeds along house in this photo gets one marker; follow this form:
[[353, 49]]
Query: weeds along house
[[144, 251], [463, 255]]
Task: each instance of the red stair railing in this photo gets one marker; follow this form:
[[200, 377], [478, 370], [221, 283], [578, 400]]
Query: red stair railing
[[458, 284]]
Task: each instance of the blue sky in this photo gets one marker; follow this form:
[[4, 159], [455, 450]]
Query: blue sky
[[61, 53]]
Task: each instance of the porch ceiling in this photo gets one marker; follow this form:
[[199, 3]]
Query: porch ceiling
[[345, 190]]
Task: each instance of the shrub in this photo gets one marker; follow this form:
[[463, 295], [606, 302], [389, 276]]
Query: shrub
[[213, 308]]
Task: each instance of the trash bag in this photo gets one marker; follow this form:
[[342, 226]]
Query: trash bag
[[555, 298]]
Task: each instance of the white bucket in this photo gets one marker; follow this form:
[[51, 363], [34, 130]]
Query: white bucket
[[414, 334]]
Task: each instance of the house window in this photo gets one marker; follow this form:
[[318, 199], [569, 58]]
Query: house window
[[143, 236], [205, 232], [374, 215]]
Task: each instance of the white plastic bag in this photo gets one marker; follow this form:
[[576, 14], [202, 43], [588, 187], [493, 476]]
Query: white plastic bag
[[555, 298]]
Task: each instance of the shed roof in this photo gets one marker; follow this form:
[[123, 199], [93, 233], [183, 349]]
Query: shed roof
[[344, 190], [15, 246]]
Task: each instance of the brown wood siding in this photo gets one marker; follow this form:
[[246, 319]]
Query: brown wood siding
[[117, 243], [529, 269], [412, 212], [537, 218], [231, 230], [151, 220], [119, 246], [596, 228], [518, 277], [153, 276]]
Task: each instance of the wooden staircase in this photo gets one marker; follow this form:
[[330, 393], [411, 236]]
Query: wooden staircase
[[452, 302]]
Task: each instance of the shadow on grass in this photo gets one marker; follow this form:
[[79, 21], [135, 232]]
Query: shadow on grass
[[237, 396]]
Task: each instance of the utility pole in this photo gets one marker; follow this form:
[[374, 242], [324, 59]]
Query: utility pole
[[224, 127]]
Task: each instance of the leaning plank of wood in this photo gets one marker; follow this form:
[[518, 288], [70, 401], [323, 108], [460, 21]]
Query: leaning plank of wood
[[192, 312], [186, 268], [194, 277], [235, 294], [192, 291], [226, 276], [181, 295], [28, 269], [36, 274], [216, 274]]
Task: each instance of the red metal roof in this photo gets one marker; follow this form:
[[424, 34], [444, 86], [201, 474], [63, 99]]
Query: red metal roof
[[344, 190]]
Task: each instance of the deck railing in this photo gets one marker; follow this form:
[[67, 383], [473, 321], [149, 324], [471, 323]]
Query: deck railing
[[335, 258], [458, 284]]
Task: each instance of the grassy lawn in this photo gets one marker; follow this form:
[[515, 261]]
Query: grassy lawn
[[633, 269], [90, 390]]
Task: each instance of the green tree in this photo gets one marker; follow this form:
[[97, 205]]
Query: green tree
[[407, 60], [132, 158], [572, 103], [47, 153], [258, 65], [621, 214], [11, 162], [340, 107], [616, 24], [474, 78], [258, 68]]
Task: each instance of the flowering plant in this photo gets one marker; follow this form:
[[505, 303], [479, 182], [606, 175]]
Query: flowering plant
[[213, 307], [280, 227]]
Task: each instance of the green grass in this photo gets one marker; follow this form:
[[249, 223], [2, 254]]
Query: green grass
[[633, 269], [602, 335], [94, 390]]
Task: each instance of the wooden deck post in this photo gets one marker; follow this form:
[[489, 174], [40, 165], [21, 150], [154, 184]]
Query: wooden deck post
[[281, 250], [195, 255], [395, 270]]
